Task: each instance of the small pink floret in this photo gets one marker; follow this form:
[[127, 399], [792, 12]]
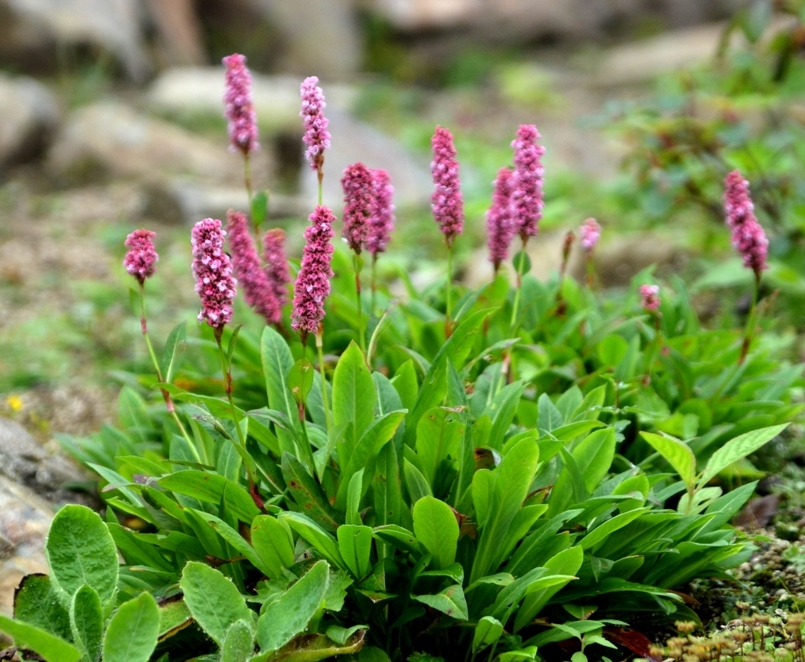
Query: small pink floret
[[650, 297], [313, 280], [590, 234], [239, 105], [359, 202], [499, 225], [317, 137], [748, 236], [212, 270], [446, 201], [276, 268], [529, 175], [381, 223]]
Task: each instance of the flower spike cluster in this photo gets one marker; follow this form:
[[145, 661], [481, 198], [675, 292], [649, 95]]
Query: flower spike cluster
[[246, 263], [590, 234], [529, 174], [317, 137], [276, 268], [141, 257], [212, 270], [446, 201], [650, 297], [359, 204], [748, 236], [499, 227], [239, 109], [381, 222], [313, 280]]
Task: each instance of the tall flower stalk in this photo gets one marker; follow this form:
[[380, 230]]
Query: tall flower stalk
[[317, 136], [499, 226], [526, 196], [567, 244], [140, 262], [216, 287], [381, 223], [749, 239], [358, 210], [276, 265], [312, 287], [447, 203], [240, 114]]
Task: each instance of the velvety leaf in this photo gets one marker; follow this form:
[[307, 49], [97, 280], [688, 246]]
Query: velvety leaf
[[238, 643], [86, 621], [36, 603], [80, 550], [133, 631], [436, 528], [199, 583], [47, 646], [289, 615]]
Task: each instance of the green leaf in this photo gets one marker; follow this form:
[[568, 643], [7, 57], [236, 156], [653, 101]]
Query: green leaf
[[436, 528], [600, 533], [417, 484], [354, 495], [677, 453], [199, 583], [235, 540], [307, 493], [354, 394], [450, 601], [291, 613], [300, 379], [355, 545], [342, 635], [86, 620], [566, 562], [322, 541], [737, 449], [521, 262], [80, 550], [438, 437], [277, 363], [273, 542], [487, 632], [174, 351], [259, 208], [548, 417], [238, 643], [133, 631], [44, 644], [133, 414], [36, 603]]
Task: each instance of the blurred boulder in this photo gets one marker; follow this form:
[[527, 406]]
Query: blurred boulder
[[110, 139], [353, 141], [29, 116], [35, 33], [319, 37], [178, 32]]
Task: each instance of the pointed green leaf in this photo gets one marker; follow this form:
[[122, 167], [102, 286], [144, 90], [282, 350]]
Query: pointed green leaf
[[36, 603], [438, 437], [273, 542], [239, 642], [307, 493], [450, 601], [51, 648], [354, 395], [133, 631], [174, 351], [677, 453], [436, 528], [737, 449], [322, 541], [355, 545], [487, 632], [86, 621]]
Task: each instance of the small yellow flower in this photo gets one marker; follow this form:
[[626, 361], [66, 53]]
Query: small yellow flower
[[14, 403]]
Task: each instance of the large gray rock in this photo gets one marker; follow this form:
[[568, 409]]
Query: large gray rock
[[29, 115], [354, 141], [32, 32], [110, 139], [319, 37]]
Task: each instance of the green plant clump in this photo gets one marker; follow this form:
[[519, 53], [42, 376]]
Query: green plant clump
[[465, 473]]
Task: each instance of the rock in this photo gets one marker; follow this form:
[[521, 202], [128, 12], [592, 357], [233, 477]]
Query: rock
[[618, 259], [178, 30], [36, 32], [320, 37], [193, 91], [30, 116], [110, 139], [24, 522], [353, 141]]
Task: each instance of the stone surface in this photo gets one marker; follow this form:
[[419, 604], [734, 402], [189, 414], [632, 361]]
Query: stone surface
[[353, 141], [320, 37], [178, 29], [111, 140], [33, 32], [30, 115], [189, 91]]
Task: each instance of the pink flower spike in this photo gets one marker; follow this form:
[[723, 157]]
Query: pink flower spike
[[276, 268], [257, 290], [650, 297], [313, 280], [381, 224], [590, 234], [499, 228], [748, 236], [529, 174], [317, 137], [239, 107], [212, 270], [141, 257], [358, 204], [446, 201]]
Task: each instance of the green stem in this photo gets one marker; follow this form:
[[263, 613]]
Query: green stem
[[165, 395], [356, 263], [374, 283], [227, 372], [247, 176], [751, 321], [320, 175], [324, 397], [449, 304], [516, 305]]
